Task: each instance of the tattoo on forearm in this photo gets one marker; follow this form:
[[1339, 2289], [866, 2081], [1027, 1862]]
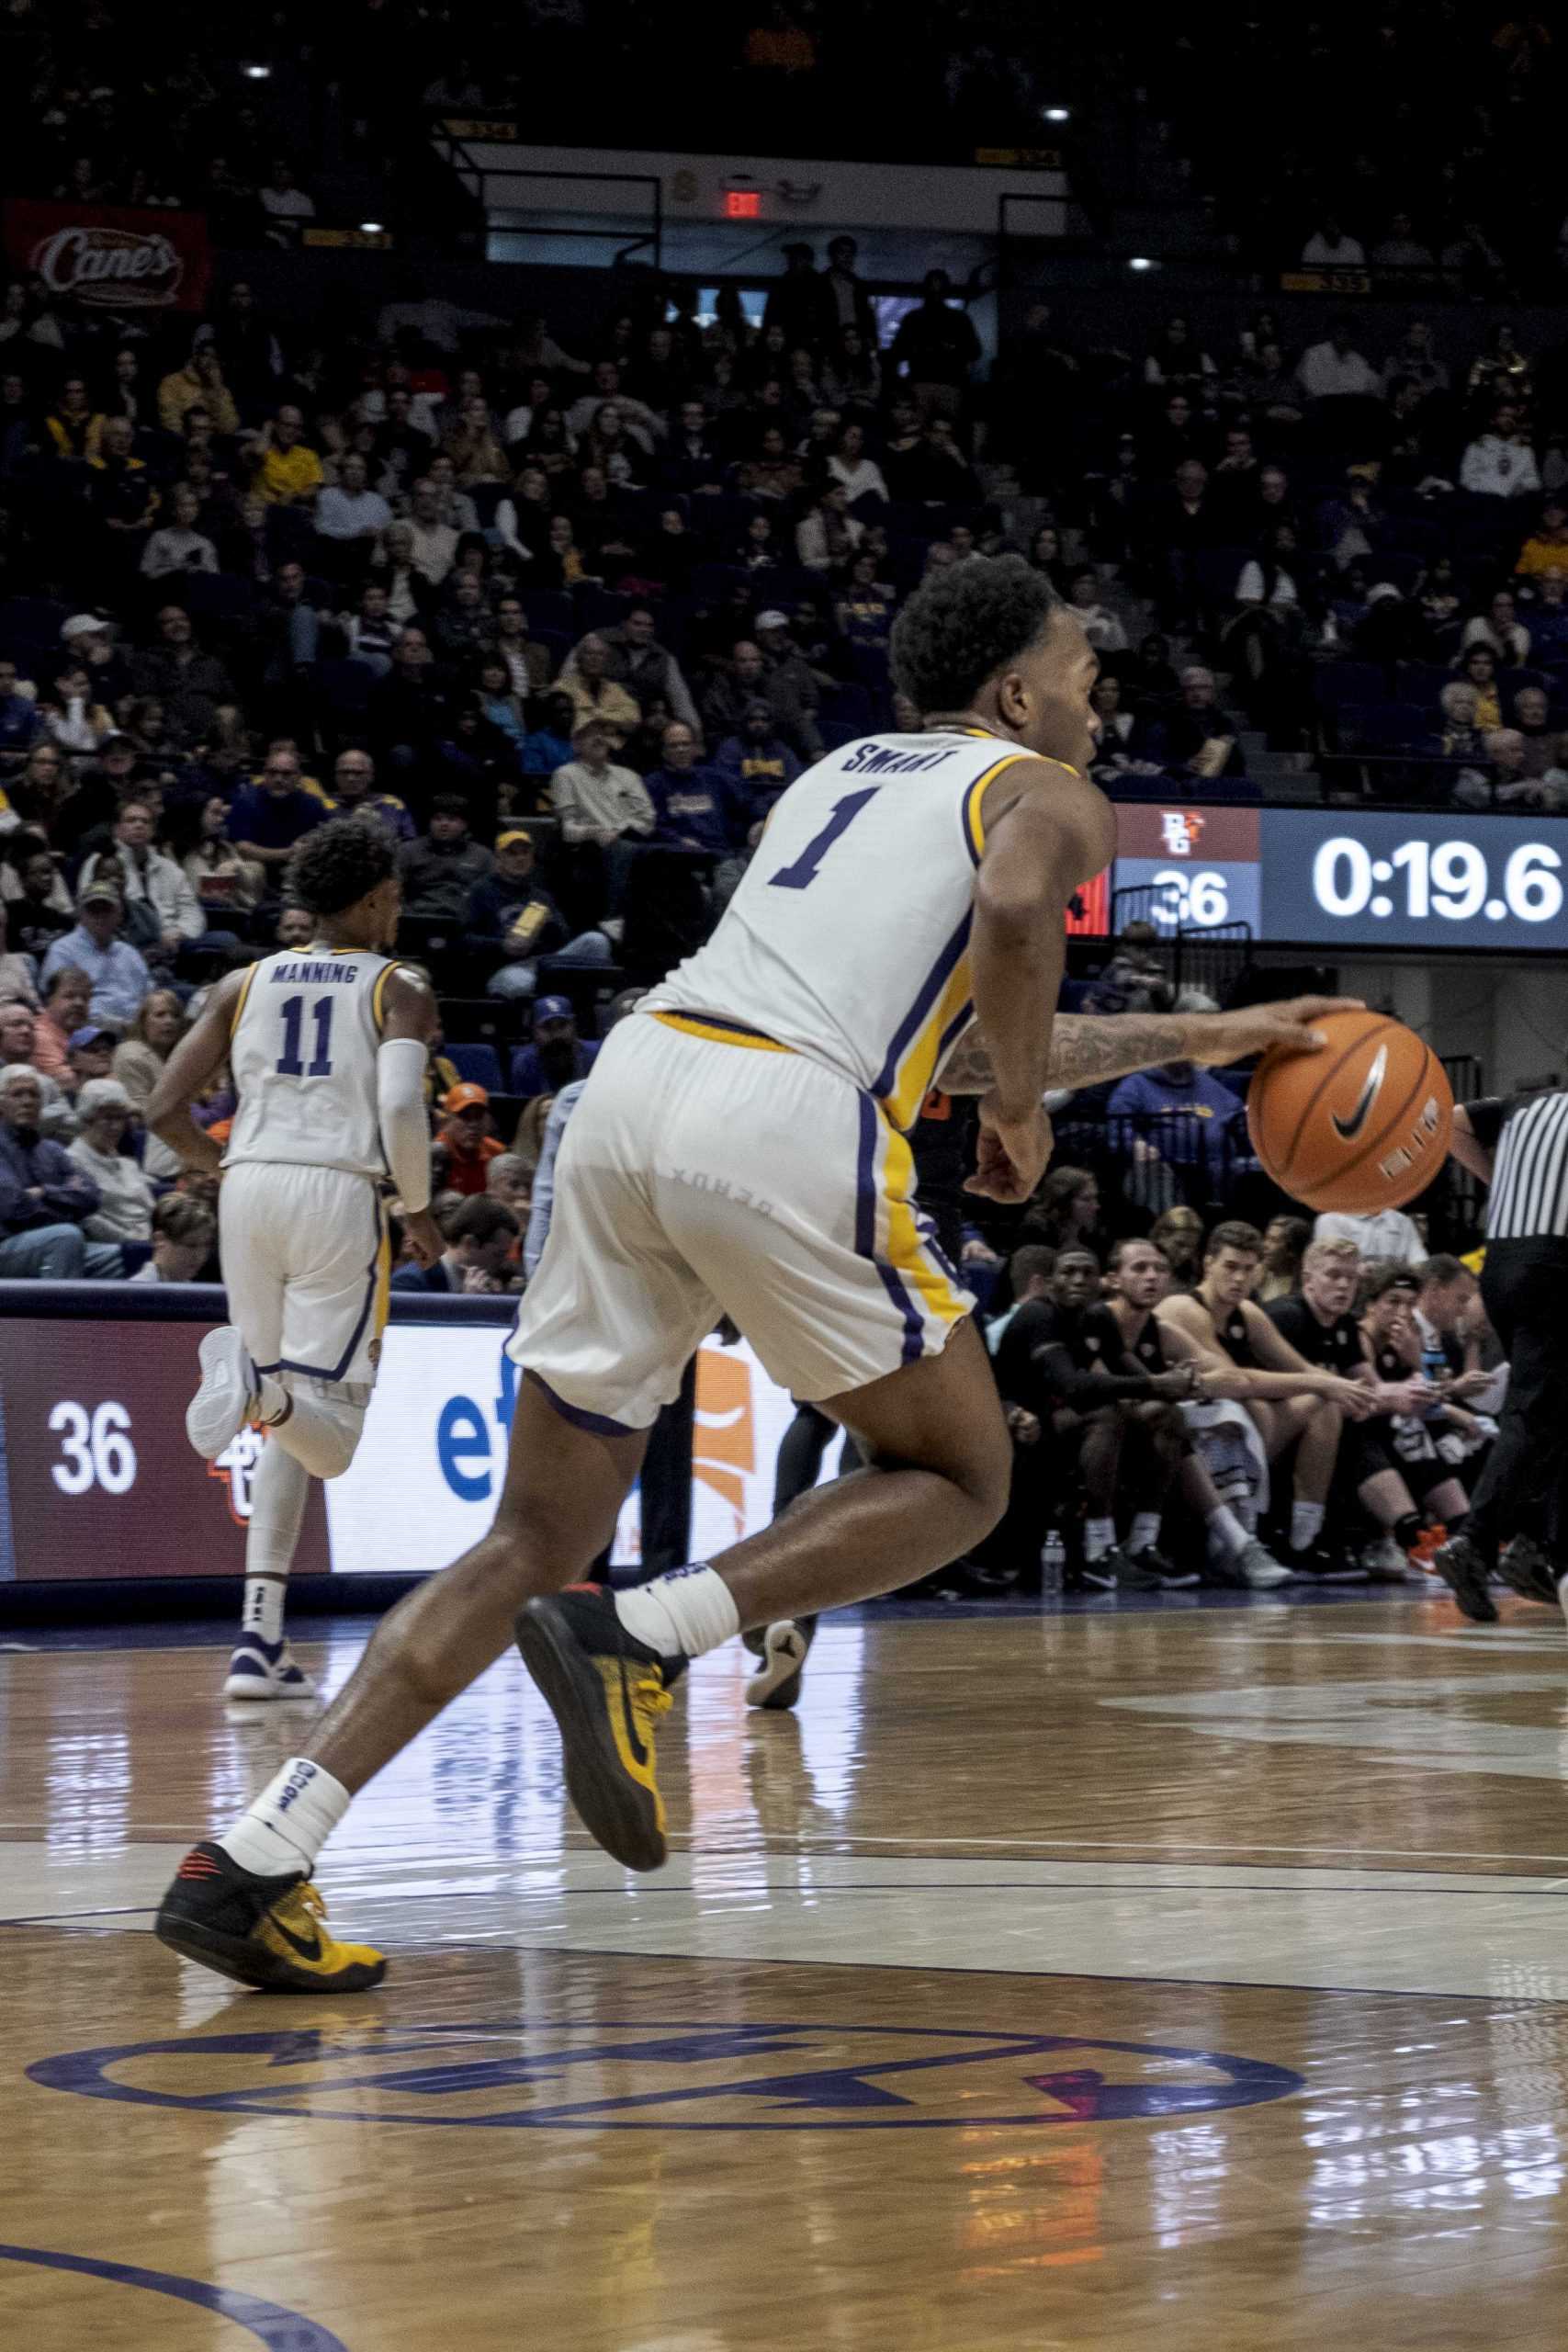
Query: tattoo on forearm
[[1087, 1048]]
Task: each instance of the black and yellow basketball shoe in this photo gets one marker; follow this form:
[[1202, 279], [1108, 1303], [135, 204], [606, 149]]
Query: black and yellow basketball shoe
[[264, 1931], [606, 1690]]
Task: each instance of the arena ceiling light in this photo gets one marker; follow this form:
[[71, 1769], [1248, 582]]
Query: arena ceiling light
[[1056, 114], [256, 73], [1140, 261], [371, 228]]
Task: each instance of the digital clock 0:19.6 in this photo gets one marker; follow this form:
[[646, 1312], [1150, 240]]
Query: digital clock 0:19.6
[[1454, 880]]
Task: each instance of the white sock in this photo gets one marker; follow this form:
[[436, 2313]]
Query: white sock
[[1099, 1537], [1306, 1525], [1145, 1532], [683, 1614], [289, 1822], [279, 1492], [1228, 1537]]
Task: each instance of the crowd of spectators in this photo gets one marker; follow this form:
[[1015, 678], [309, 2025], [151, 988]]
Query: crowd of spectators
[[1354, 544]]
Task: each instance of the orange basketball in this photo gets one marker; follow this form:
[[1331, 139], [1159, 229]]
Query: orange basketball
[[1362, 1126]]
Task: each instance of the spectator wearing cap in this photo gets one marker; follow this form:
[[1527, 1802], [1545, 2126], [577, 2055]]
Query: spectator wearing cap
[[355, 795], [510, 922], [91, 641], [1500, 462], [693, 808], [756, 762], [119, 975], [268, 818], [788, 683], [441, 869], [163, 912], [557, 1056], [45, 1197], [125, 1196], [90, 1051], [465, 1131]]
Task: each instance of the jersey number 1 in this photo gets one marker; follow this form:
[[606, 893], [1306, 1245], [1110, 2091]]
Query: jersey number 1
[[289, 1062], [806, 868]]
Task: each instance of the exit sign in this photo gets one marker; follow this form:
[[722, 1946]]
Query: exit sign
[[742, 204]]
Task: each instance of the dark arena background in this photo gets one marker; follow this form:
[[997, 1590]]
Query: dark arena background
[[523, 428]]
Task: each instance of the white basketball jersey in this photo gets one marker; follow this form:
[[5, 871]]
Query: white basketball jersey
[[848, 936], [305, 1040]]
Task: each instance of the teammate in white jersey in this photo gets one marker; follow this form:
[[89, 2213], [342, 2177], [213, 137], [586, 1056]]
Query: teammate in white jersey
[[739, 1147], [326, 1045]]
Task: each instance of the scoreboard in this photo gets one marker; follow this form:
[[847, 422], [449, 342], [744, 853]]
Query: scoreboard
[[1348, 880]]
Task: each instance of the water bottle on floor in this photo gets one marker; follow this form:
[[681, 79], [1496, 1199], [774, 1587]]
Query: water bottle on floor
[[1053, 1557]]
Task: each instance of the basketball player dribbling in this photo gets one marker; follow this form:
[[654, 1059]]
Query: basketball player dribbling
[[327, 1044], [739, 1147]]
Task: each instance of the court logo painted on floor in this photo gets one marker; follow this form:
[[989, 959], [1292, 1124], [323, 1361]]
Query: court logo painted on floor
[[682, 2074]]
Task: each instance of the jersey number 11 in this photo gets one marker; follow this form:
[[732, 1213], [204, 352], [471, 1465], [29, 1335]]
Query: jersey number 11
[[289, 1062]]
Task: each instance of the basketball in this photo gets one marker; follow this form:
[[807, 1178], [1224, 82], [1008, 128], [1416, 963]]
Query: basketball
[[1362, 1126]]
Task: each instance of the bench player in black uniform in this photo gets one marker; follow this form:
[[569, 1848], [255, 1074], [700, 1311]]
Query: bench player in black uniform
[[1062, 1359], [1420, 1444], [1138, 1277], [1293, 1403], [1319, 1322]]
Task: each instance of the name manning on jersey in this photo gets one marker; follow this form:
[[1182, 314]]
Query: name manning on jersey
[[307, 973]]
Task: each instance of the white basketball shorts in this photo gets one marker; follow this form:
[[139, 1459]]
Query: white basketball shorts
[[306, 1266], [706, 1170]]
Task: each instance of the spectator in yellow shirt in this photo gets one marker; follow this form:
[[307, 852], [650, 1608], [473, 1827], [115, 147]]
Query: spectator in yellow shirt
[[1546, 549], [290, 472], [199, 384]]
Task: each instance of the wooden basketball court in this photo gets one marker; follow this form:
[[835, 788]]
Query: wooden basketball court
[[1190, 1976]]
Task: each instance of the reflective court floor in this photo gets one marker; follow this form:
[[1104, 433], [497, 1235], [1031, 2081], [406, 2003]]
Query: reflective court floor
[[1187, 1976]]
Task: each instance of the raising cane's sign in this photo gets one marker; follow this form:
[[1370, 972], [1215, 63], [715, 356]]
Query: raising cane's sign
[[108, 258]]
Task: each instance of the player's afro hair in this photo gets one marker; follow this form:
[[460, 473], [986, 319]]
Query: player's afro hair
[[341, 862], [963, 625]]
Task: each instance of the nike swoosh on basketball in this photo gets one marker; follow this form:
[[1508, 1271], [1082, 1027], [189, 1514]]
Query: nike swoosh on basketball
[[1349, 1129], [311, 1951]]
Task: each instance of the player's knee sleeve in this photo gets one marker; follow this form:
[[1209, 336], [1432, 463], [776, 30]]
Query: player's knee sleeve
[[322, 1431]]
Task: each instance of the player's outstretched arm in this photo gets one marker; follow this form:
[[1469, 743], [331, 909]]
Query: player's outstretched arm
[[1088, 1048], [189, 1070]]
